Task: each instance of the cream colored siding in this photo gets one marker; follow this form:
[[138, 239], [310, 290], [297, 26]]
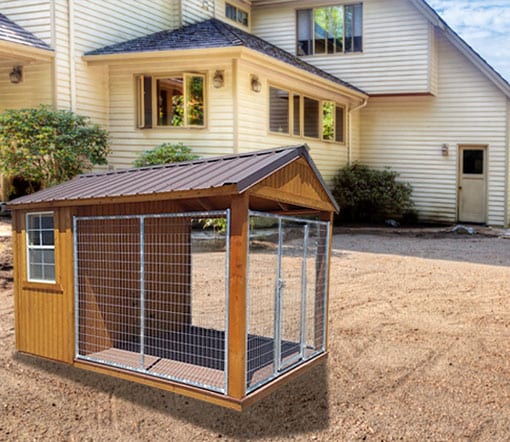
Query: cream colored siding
[[356, 136], [406, 134], [194, 11], [128, 141], [253, 119], [396, 46], [33, 15], [33, 90]]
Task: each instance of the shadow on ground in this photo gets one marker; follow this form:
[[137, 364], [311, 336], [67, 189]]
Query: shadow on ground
[[299, 407]]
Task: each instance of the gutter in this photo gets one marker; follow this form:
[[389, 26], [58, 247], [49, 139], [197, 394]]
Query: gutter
[[354, 109]]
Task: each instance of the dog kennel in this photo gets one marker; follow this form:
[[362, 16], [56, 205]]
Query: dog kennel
[[207, 278]]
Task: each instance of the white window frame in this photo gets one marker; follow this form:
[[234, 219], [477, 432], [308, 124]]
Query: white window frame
[[237, 9], [41, 247]]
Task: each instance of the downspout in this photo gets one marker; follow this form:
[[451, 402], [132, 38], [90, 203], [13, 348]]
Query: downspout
[[507, 164], [354, 109], [72, 67]]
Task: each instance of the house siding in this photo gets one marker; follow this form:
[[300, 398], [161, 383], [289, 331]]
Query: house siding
[[127, 141], [253, 117], [33, 15], [406, 134], [194, 11], [395, 62]]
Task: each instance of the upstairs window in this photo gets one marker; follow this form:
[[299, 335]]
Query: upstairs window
[[330, 30], [40, 247], [171, 101], [236, 14]]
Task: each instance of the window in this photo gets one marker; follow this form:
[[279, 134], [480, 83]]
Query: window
[[236, 14], [305, 116], [330, 30], [171, 101], [40, 247], [278, 110]]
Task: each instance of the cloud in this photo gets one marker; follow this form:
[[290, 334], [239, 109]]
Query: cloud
[[484, 25]]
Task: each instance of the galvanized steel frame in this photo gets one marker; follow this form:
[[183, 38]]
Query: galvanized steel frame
[[278, 370], [194, 215]]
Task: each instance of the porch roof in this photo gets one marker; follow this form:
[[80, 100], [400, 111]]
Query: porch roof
[[13, 33], [212, 33]]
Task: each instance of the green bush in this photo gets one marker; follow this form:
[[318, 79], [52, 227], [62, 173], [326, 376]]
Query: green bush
[[165, 153], [42, 147], [369, 195]]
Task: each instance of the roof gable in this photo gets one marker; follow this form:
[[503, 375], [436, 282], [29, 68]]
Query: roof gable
[[238, 173], [212, 33], [13, 33]]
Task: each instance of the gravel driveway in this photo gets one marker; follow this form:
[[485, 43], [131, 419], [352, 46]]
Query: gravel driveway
[[419, 341]]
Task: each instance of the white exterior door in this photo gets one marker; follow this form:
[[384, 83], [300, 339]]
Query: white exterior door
[[472, 184]]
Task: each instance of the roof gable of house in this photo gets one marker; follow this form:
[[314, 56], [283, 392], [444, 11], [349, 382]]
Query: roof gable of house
[[13, 33], [213, 33], [236, 173], [434, 18]]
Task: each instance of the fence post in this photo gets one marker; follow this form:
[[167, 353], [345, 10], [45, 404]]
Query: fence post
[[237, 304]]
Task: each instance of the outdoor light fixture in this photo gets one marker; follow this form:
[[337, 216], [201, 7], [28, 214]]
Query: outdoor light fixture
[[16, 74], [256, 85], [218, 79], [444, 149]]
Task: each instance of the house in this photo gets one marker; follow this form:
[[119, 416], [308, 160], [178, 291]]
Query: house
[[125, 283], [227, 77]]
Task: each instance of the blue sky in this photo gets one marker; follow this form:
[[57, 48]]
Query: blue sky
[[484, 25]]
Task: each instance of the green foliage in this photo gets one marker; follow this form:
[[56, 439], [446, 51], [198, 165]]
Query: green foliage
[[219, 225], [44, 147], [368, 195], [163, 154]]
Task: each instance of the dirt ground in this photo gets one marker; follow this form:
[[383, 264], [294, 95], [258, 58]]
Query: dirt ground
[[419, 342]]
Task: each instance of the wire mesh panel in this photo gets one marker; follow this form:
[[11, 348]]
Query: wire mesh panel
[[151, 294], [286, 294]]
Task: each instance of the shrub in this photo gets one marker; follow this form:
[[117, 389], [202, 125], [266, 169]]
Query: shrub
[[42, 147], [368, 195], [165, 153]]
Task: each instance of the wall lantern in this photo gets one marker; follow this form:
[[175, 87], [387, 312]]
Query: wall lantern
[[256, 85], [16, 75], [218, 79], [444, 149]]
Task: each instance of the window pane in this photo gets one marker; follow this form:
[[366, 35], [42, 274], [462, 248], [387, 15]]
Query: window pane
[[34, 238], [170, 102], [472, 162], [320, 23], [47, 222], [36, 256], [35, 271], [328, 121], [311, 117], [339, 124], [147, 101], [242, 17], [297, 115], [304, 32], [230, 11], [48, 256], [358, 28], [34, 222], [278, 110], [47, 238], [49, 273], [195, 101], [338, 15]]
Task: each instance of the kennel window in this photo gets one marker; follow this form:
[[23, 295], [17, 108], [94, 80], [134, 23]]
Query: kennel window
[[151, 295], [40, 247]]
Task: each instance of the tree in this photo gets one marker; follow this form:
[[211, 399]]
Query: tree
[[45, 147]]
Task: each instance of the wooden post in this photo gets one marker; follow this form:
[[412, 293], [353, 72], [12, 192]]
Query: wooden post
[[237, 289]]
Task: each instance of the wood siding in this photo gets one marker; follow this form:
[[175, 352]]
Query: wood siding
[[407, 133], [396, 46], [194, 11], [33, 15]]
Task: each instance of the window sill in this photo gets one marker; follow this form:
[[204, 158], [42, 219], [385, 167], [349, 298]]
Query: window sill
[[53, 287]]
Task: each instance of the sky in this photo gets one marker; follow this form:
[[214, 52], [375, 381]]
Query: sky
[[484, 25]]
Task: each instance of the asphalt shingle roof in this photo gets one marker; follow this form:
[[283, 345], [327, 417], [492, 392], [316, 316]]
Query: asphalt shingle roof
[[212, 33], [242, 170], [13, 33]]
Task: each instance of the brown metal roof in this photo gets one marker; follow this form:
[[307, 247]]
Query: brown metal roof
[[242, 171]]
